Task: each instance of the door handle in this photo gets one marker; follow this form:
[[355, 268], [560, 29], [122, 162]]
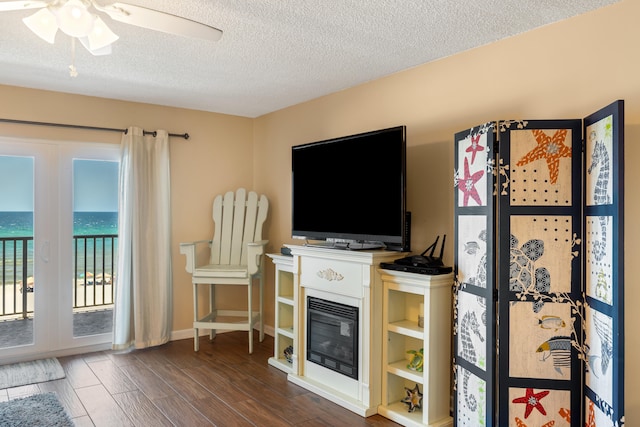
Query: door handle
[[44, 251]]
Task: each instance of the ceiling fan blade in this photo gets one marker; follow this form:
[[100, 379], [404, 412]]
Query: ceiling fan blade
[[21, 5], [159, 21]]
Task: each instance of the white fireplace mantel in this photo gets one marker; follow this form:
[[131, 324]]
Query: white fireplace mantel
[[351, 278]]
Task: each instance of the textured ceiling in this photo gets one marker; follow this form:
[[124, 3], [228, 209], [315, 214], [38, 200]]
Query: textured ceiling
[[274, 53]]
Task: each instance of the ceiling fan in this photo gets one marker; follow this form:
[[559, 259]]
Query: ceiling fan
[[76, 19]]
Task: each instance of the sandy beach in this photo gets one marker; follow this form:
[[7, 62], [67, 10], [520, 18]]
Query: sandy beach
[[84, 297]]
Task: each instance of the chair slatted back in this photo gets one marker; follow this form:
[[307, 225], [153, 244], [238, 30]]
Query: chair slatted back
[[238, 219]]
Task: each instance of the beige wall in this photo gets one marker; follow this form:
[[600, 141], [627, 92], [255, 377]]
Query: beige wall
[[218, 156], [565, 70]]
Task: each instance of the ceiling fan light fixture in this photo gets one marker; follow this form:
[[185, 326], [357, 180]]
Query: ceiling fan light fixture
[[74, 19], [105, 50], [43, 24], [100, 35]]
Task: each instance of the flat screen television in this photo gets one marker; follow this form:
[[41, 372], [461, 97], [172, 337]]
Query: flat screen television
[[350, 192]]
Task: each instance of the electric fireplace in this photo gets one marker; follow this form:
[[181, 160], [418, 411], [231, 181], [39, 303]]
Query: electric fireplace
[[336, 325], [332, 336]]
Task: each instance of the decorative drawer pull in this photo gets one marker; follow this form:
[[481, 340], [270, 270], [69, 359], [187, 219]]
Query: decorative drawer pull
[[330, 275]]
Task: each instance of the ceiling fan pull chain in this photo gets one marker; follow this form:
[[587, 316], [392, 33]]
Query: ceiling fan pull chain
[[73, 72]]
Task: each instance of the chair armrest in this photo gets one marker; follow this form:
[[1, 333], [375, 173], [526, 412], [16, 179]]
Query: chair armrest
[[188, 249], [255, 250]]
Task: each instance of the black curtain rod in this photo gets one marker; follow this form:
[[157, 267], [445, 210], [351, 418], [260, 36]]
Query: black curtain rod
[[26, 122]]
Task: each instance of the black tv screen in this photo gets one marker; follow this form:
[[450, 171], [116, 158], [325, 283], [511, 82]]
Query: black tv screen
[[351, 188]]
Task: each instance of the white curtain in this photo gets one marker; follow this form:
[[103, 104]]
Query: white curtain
[[143, 302]]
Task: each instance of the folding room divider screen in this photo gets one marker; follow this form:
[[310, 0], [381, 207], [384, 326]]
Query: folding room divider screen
[[538, 299]]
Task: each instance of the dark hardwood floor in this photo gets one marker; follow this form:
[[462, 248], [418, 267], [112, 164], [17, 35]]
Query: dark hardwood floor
[[171, 385]]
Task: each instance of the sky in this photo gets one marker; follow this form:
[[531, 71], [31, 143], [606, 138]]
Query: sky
[[95, 185], [16, 183]]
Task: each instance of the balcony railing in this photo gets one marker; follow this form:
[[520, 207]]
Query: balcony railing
[[94, 262]]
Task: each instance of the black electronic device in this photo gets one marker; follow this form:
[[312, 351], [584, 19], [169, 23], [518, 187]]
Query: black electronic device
[[285, 251], [421, 264], [406, 247], [418, 270], [350, 192], [423, 260]]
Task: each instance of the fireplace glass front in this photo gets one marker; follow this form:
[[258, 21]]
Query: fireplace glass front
[[332, 336]]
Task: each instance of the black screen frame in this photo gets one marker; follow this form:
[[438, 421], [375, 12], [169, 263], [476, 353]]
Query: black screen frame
[[351, 188]]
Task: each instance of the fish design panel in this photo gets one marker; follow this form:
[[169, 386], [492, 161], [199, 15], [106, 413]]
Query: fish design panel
[[540, 343], [472, 250], [599, 342]]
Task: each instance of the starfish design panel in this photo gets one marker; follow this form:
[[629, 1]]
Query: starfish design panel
[[467, 184], [532, 401], [538, 407], [541, 173], [550, 148], [474, 147], [473, 171]]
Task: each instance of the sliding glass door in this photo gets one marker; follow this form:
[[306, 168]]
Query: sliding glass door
[[58, 236], [95, 245], [16, 250]]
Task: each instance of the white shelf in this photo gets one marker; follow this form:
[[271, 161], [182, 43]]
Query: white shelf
[[404, 296], [408, 328], [285, 312], [288, 299], [400, 369], [398, 412], [287, 332], [281, 363]]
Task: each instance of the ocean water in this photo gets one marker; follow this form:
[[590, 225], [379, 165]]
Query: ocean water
[[20, 224], [15, 225]]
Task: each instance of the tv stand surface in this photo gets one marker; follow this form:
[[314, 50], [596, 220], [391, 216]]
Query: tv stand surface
[[346, 246]]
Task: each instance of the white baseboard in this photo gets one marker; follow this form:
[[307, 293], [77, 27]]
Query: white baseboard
[[56, 353]]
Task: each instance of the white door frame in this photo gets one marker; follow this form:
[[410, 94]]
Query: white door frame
[[53, 243]]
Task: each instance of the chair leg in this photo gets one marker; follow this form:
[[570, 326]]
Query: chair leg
[[250, 314], [261, 310], [196, 338], [212, 307]]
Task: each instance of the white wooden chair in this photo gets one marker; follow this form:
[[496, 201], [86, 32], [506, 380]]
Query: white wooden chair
[[236, 259]]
